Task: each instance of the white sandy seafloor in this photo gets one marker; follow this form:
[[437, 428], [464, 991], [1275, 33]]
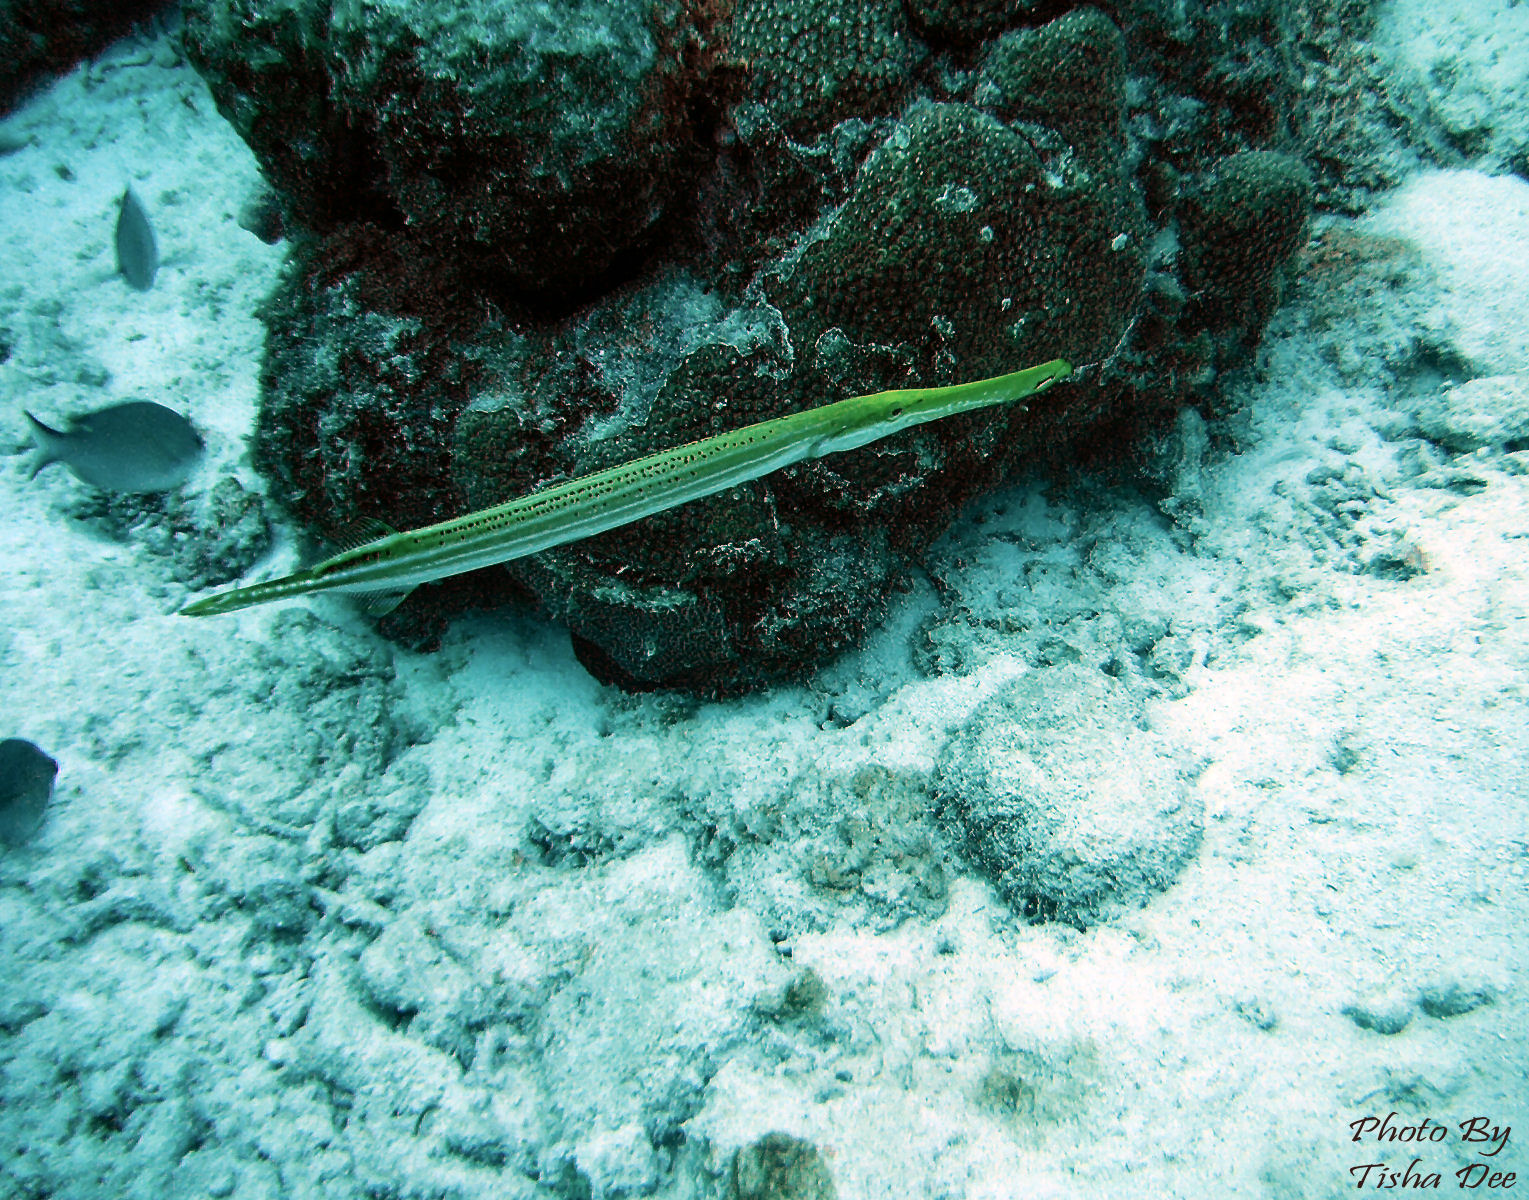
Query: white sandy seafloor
[[312, 916]]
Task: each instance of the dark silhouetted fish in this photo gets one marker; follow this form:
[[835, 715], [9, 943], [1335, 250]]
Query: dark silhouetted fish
[[26, 786], [137, 251], [134, 447]]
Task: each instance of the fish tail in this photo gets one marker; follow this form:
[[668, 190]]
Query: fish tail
[[45, 439]]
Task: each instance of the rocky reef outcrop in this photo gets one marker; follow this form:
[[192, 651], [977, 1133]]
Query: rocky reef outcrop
[[535, 241]]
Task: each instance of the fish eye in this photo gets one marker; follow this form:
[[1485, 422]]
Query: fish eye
[[898, 411]]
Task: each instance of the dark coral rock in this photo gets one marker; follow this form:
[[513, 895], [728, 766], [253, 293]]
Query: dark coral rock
[[1069, 73], [811, 63], [267, 65], [966, 22], [1223, 72], [958, 243], [813, 88], [1242, 222], [955, 258], [545, 240], [43, 37], [543, 144], [548, 140], [366, 369]]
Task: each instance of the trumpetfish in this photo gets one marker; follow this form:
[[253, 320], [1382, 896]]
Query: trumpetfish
[[386, 568]]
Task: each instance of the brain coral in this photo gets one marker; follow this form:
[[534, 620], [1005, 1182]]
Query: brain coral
[[1069, 73], [967, 21], [811, 63], [541, 239], [1242, 221], [961, 245], [1056, 793]]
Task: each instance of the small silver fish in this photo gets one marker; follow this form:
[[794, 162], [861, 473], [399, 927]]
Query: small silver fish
[[137, 250], [133, 447]]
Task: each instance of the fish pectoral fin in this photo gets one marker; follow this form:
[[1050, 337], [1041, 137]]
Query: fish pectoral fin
[[379, 604]]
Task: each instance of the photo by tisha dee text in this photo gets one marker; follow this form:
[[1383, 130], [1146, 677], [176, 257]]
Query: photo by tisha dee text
[[1481, 1135]]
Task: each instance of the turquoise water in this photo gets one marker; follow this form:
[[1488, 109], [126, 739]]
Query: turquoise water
[[1159, 832]]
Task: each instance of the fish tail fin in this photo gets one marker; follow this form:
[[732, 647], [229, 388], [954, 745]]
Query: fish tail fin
[[46, 440]]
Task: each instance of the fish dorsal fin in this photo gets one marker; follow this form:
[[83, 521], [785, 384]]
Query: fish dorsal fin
[[358, 533]]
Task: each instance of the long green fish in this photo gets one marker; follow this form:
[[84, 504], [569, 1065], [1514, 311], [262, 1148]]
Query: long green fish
[[384, 570]]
